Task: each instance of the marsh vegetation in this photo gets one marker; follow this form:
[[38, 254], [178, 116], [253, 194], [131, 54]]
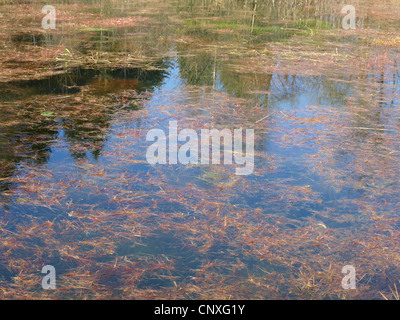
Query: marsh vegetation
[[77, 193]]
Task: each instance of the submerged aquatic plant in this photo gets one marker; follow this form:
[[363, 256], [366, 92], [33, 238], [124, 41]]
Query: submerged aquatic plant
[[77, 193]]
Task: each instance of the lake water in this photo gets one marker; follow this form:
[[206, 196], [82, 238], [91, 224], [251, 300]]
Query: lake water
[[77, 191]]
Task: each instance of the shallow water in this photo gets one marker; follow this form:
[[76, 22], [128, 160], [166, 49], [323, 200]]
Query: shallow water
[[78, 193]]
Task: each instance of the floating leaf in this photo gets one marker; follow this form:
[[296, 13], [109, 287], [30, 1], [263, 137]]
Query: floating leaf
[[47, 113]]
